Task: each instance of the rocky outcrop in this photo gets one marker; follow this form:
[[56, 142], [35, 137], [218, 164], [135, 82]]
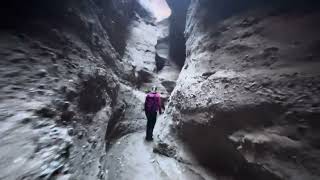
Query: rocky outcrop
[[246, 100]]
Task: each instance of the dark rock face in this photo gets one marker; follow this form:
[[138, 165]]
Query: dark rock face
[[94, 93], [243, 92], [177, 27]]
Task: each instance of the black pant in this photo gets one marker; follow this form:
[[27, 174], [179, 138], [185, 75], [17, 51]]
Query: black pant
[[152, 118]]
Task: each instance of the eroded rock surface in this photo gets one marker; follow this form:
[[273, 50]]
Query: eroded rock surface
[[247, 98], [62, 70]]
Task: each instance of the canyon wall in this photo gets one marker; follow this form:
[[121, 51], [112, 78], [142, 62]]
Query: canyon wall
[[63, 66], [246, 103]]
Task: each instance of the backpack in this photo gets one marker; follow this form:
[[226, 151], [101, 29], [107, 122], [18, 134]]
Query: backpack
[[152, 102]]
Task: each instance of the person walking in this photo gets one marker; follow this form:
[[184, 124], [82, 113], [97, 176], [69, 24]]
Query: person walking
[[152, 105]]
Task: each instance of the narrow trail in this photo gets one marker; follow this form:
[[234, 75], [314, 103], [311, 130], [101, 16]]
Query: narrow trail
[[132, 158]]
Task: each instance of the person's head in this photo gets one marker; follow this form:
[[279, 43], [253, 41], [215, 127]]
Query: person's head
[[154, 89]]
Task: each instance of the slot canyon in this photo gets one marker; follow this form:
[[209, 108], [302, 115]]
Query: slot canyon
[[239, 84]]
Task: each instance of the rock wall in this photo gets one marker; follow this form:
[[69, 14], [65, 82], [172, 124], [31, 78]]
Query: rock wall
[[246, 102], [61, 74], [177, 27]]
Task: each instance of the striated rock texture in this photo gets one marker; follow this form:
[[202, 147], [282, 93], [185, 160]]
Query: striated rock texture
[[247, 100], [62, 70]]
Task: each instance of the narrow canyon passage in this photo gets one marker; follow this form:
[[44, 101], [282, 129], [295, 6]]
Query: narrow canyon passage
[[239, 82], [130, 156]]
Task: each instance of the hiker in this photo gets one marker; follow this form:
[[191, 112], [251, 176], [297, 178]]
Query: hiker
[[152, 105]]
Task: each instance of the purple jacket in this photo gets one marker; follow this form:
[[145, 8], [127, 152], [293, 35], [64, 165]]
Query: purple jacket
[[153, 102]]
